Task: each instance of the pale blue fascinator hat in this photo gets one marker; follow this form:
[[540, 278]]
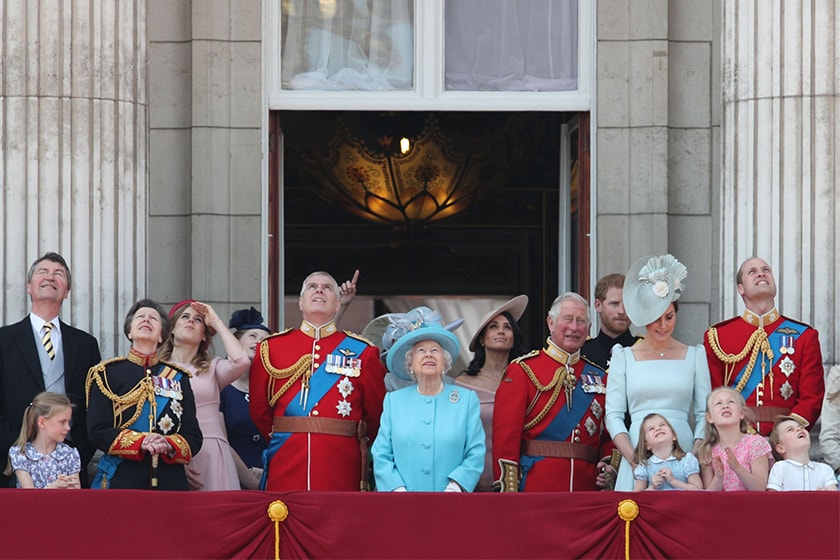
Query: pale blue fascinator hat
[[401, 331], [650, 286]]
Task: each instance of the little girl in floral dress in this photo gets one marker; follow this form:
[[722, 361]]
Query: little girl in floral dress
[[40, 458], [730, 457]]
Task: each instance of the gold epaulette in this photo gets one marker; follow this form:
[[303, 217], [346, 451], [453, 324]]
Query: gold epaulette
[[142, 391], [280, 333], [530, 354], [359, 337], [98, 370]]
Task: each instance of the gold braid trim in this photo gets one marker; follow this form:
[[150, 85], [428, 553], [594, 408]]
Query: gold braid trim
[[184, 452], [124, 441], [121, 403], [554, 384], [294, 372], [756, 343]]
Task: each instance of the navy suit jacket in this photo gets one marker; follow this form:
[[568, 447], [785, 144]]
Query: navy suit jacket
[[21, 379]]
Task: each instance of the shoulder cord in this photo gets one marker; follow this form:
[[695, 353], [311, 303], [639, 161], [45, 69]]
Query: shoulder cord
[[756, 343], [292, 373], [133, 397], [558, 382]]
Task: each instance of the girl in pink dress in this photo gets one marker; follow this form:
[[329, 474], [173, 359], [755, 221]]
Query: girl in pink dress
[[189, 346], [730, 457]]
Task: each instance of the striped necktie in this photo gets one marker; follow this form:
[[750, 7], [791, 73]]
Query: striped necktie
[[47, 341]]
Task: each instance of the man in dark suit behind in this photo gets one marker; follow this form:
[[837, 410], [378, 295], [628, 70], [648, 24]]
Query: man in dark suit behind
[[29, 366]]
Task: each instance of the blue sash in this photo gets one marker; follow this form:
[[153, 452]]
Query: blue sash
[[319, 385], [107, 466], [561, 426], [775, 341]]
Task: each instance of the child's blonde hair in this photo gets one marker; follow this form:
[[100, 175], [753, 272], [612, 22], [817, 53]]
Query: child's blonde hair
[[44, 405], [643, 453], [711, 436]]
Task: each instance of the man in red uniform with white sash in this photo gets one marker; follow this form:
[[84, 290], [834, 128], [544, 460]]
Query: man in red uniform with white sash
[[316, 393], [548, 419], [773, 361]]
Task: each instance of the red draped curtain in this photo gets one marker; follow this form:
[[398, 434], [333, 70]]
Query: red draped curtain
[[143, 524]]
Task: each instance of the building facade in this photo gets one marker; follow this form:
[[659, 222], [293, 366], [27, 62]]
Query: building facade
[[135, 141]]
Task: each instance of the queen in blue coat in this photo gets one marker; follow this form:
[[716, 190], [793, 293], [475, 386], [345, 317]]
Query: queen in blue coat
[[430, 436]]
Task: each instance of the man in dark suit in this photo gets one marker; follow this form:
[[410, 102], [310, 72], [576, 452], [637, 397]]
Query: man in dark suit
[[42, 353]]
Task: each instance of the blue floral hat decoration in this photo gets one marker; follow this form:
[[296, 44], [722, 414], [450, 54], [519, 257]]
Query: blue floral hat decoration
[[375, 330], [650, 286], [247, 319], [404, 330]]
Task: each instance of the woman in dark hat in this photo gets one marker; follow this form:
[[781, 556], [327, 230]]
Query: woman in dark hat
[[244, 437], [497, 340], [430, 436]]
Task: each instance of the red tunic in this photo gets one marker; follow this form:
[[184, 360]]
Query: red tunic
[[316, 461], [797, 376], [584, 424]]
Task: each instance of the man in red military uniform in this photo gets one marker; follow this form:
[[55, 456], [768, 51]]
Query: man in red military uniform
[[316, 393], [774, 361], [548, 420]]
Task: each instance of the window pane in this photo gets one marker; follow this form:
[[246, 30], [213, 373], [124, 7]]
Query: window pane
[[511, 45], [347, 44]]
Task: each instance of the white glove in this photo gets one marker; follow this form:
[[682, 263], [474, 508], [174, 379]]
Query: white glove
[[452, 487], [400, 489]]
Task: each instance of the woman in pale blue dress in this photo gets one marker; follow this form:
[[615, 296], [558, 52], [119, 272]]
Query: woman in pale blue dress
[[658, 374]]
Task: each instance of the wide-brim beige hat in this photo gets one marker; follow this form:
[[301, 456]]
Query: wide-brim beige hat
[[516, 307], [650, 286]]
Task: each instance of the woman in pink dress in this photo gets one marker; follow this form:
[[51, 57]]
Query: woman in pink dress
[[189, 346], [497, 341]]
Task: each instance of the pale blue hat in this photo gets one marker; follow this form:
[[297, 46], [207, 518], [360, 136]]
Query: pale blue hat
[[404, 330], [650, 286]]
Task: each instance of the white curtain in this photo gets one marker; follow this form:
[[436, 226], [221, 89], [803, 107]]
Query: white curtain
[[494, 45], [471, 310], [511, 45], [348, 44]]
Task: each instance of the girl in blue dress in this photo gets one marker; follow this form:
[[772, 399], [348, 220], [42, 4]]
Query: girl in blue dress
[[662, 463], [40, 458]]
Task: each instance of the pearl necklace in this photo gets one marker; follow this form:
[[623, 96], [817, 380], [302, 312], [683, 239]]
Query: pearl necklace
[[432, 394]]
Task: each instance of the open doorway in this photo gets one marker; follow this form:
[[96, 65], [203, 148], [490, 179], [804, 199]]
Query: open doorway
[[529, 235]]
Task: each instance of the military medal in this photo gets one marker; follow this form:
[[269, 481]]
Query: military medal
[[787, 345], [789, 348], [786, 390], [343, 407], [787, 366], [345, 387], [590, 426], [596, 408]]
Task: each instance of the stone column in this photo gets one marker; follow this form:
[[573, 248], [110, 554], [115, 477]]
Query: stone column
[[205, 153], [73, 129], [778, 195]]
